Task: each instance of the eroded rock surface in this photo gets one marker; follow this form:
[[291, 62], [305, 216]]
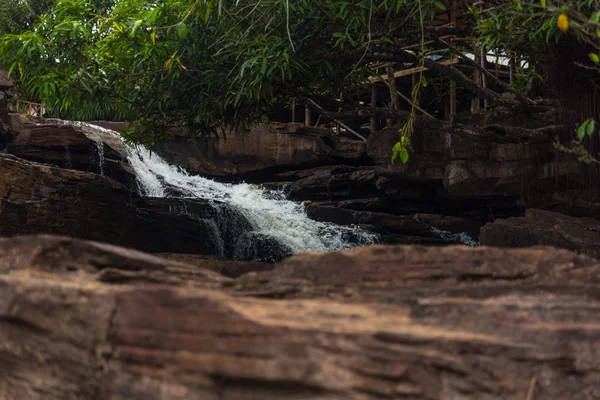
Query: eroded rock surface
[[82, 320]]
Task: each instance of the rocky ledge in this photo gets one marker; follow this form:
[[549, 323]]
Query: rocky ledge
[[84, 320]]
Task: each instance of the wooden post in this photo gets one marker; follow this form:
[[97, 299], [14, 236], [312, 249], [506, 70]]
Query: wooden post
[[306, 116], [294, 110], [395, 100], [452, 98], [475, 103], [373, 105], [338, 127], [483, 57]]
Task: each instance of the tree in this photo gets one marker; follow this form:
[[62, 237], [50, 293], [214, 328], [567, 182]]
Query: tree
[[202, 65]]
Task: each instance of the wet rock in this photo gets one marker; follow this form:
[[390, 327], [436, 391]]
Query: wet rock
[[231, 225], [68, 146], [328, 186], [260, 247], [545, 227], [36, 198], [391, 223], [451, 223]]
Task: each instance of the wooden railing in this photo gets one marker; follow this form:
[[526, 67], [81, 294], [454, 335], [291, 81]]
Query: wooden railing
[[30, 108]]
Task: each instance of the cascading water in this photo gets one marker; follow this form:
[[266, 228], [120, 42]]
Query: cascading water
[[269, 212], [100, 149]]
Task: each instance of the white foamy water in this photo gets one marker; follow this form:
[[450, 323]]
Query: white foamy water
[[269, 212]]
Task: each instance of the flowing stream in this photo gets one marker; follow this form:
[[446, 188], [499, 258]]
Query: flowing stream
[[269, 211]]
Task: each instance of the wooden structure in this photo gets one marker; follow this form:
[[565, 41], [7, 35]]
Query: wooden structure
[[455, 48]]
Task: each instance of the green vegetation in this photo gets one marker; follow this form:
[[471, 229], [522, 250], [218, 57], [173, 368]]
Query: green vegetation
[[202, 65]]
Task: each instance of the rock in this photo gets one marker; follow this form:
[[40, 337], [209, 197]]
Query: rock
[[545, 227], [369, 204], [388, 222], [113, 125], [224, 266], [70, 146], [261, 150], [80, 320], [473, 163], [230, 225], [260, 247], [5, 82], [450, 223], [35, 198], [327, 186]]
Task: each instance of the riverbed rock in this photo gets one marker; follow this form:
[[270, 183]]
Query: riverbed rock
[[392, 223], [224, 266], [545, 227], [230, 225], [36, 198], [82, 320], [69, 146], [261, 149], [450, 223], [259, 246]]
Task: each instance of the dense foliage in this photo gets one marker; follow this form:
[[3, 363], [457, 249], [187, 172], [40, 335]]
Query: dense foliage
[[205, 64]]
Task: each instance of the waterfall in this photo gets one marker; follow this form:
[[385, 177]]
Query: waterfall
[[269, 212], [100, 149], [68, 163]]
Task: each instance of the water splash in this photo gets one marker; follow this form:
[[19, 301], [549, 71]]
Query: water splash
[[462, 237]]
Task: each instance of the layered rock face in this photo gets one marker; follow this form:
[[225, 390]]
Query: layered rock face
[[83, 320], [547, 228], [265, 147], [480, 173]]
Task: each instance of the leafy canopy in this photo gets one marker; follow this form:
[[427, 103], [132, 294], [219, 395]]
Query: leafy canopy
[[201, 64]]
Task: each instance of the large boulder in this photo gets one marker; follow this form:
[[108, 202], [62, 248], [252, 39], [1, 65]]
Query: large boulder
[[81, 320], [547, 228], [70, 146], [260, 150], [36, 198]]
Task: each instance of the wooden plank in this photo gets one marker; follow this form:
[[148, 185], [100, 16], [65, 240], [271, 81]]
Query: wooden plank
[[410, 71]]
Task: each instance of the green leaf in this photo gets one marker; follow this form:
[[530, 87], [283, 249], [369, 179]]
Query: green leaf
[[595, 58], [440, 5], [581, 131], [182, 30], [136, 26], [404, 156], [591, 126]]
